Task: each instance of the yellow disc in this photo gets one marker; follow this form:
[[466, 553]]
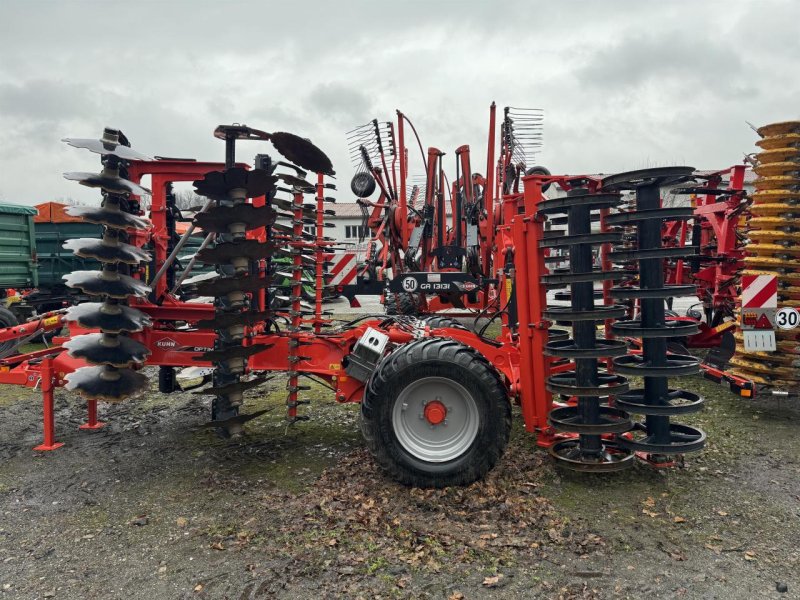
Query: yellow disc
[[769, 235], [785, 273], [778, 155], [775, 223], [786, 211], [769, 370], [777, 168], [779, 128], [784, 140], [779, 358], [775, 195], [776, 183], [771, 250]]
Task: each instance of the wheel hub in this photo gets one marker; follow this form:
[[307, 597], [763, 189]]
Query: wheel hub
[[435, 412]]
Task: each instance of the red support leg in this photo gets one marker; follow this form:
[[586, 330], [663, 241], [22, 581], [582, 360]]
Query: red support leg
[[49, 410], [91, 416]]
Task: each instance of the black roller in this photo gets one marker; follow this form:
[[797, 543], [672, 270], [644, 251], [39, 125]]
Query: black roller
[[566, 313], [228, 251], [660, 176], [234, 426], [611, 457], [587, 238], [668, 291], [106, 383], [592, 201], [668, 329], [217, 220], [672, 364], [226, 285], [110, 183], [219, 184], [675, 402], [113, 318], [109, 216], [608, 420], [107, 250], [107, 349], [110, 283], [633, 254], [661, 214], [301, 152], [567, 348], [678, 439], [566, 383]]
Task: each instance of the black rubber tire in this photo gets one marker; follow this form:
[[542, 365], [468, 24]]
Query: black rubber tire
[[167, 382], [435, 321], [7, 319], [439, 357], [401, 304]]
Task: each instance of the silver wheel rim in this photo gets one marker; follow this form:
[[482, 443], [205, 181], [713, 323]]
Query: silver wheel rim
[[435, 443]]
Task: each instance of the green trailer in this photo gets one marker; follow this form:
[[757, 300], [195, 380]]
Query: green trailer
[[17, 247]]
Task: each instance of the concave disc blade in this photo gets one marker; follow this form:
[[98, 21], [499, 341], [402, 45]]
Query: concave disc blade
[[218, 184], [114, 185], [223, 253], [302, 152], [113, 318], [217, 219], [108, 253], [94, 348], [106, 147], [302, 184], [238, 387], [106, 383], [225, 320], [226, 285], [116, 219], [96, 284], [233, 352]]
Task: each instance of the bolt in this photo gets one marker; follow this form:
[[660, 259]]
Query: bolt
[[421, 416]]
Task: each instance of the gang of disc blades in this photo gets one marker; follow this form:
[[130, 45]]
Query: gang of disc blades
[[224, 252], [106, 384], [113, 318], [646, 177], [116, 219], [96, 283], [302, 152], [302, 184], [225, 285], [218, 184], [107, 147], [125, 352], [217, 219], [114, 185], [107, 253]]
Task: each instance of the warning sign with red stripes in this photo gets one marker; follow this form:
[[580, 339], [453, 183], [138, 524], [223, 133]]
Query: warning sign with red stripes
[[759, 291]]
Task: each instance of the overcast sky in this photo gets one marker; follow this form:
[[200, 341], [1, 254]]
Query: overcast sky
[[624, 84]]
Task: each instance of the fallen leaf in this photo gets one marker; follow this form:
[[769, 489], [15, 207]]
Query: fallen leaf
[[492, 581], [749, 555], [333, 542], [679, 520], [722, 513], [649, 502], [456, 596], [181, 521], [198, 587], [650, 513], [217, 546]]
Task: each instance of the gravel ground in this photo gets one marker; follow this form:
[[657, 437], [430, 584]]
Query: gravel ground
[[155, 506]]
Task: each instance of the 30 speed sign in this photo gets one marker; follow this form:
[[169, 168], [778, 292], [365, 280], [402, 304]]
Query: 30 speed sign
[[787, 318]]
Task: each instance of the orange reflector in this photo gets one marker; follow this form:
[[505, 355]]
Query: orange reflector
[[746, 393]]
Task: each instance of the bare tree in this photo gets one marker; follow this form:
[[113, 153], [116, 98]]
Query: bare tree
[[186, 199]]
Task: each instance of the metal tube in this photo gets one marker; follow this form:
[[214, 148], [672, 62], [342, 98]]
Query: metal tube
[[188, 269]]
